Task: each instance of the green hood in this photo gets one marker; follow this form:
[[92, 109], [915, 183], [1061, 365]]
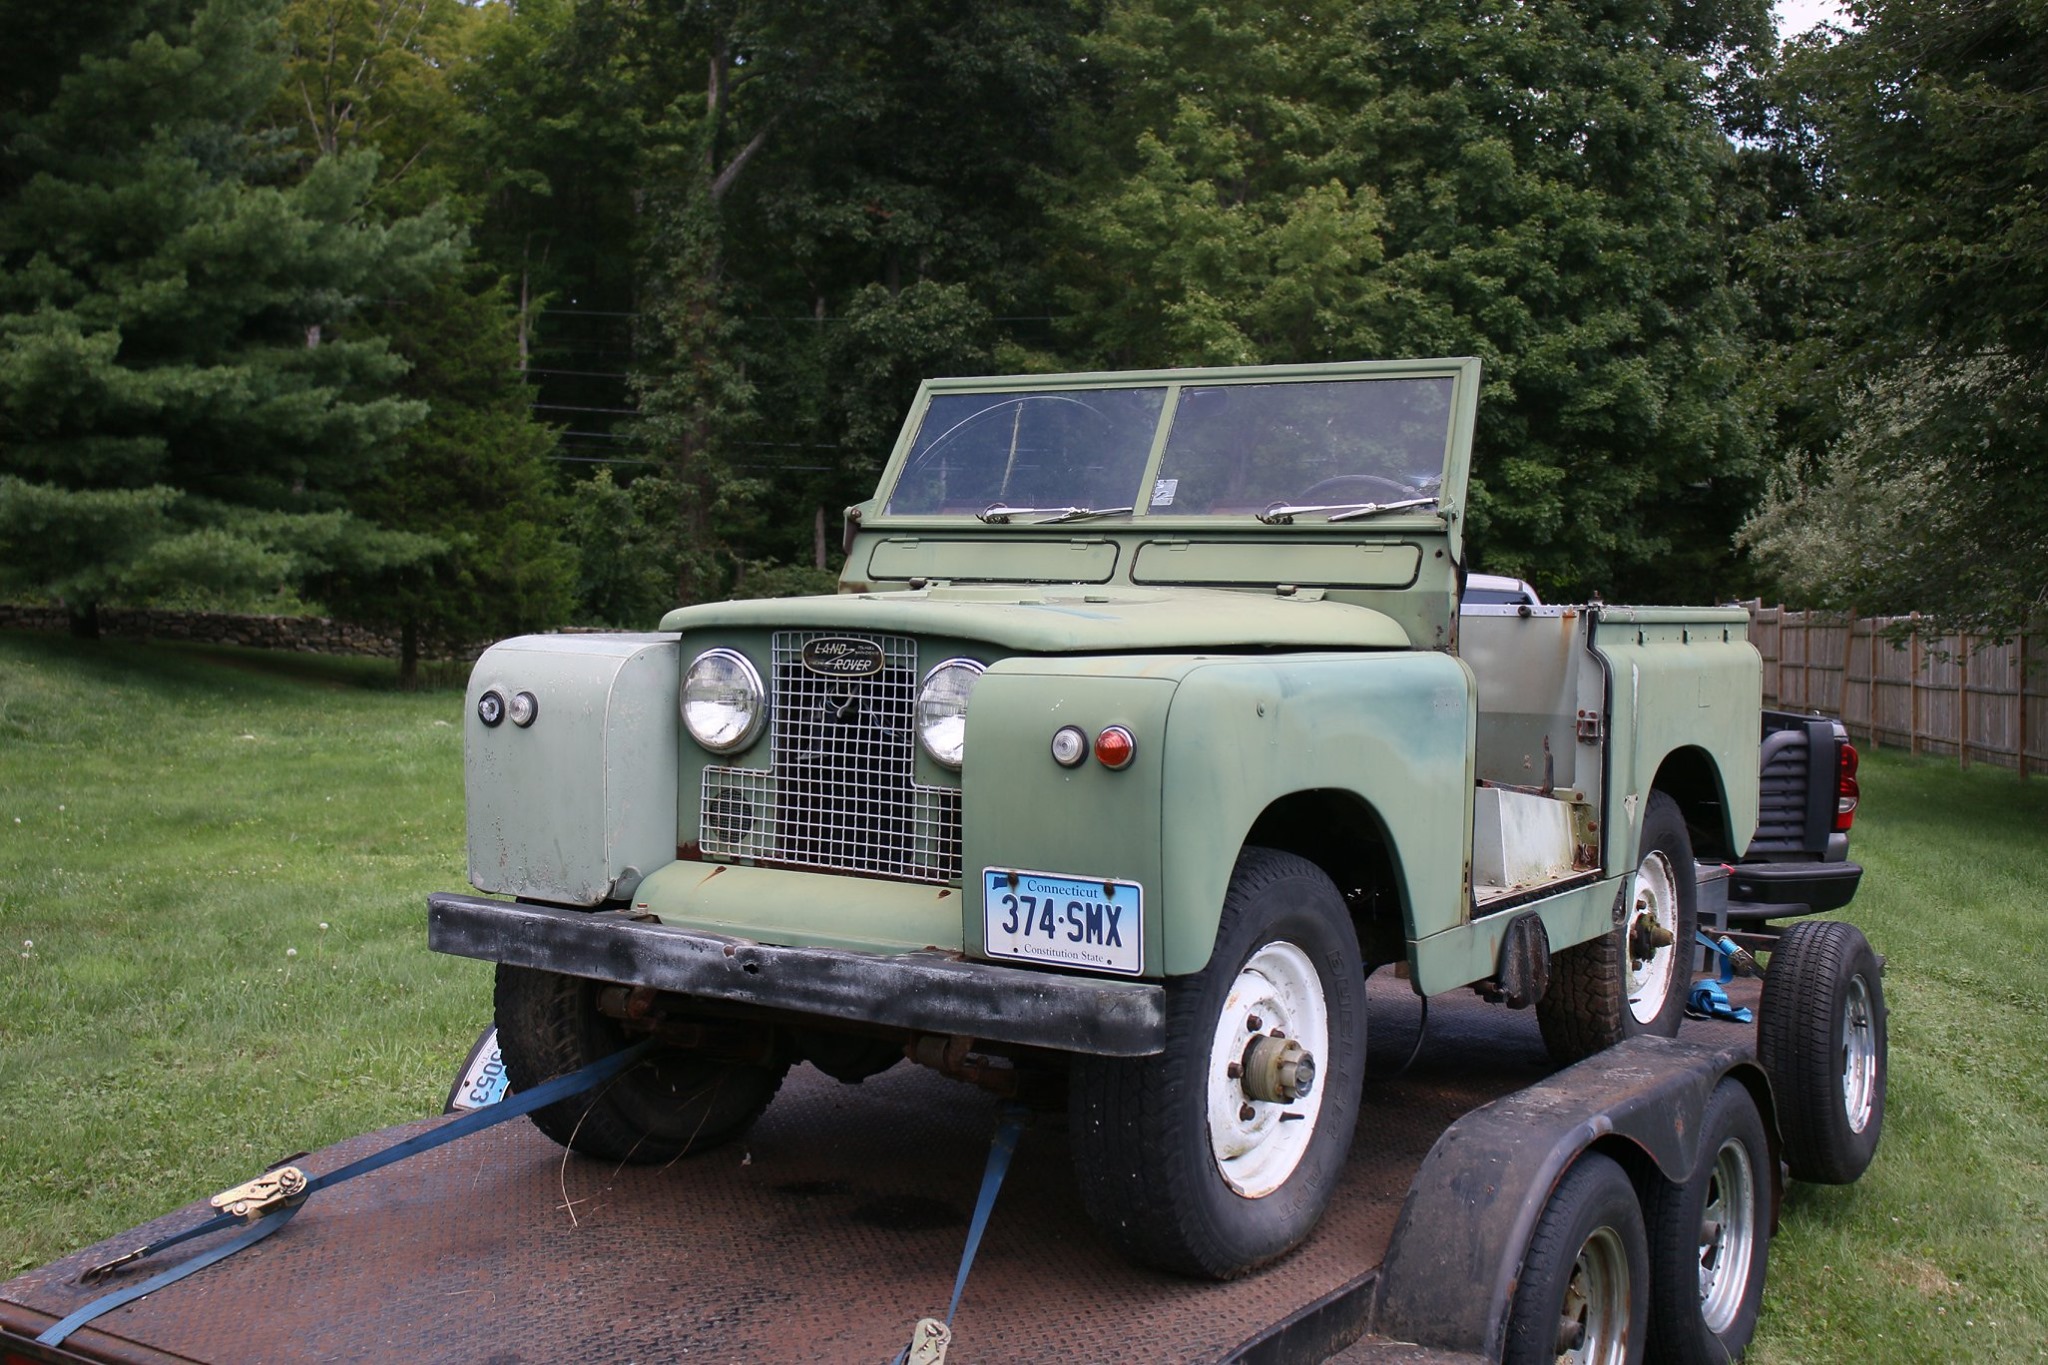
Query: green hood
[[1071, 620]]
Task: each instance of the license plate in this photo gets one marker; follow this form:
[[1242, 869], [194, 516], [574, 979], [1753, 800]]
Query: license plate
[[1063, 920]]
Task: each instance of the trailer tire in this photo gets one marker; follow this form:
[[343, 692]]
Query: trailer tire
[[1587, 1271], [1181, 1161], [1618, 985], [1710, 1238], [667, 1105], [1822, 1041]]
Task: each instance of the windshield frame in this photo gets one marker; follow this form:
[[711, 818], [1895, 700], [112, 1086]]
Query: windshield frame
[[1446, 513]]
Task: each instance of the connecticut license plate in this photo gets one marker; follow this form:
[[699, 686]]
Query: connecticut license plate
[[1062, 920]]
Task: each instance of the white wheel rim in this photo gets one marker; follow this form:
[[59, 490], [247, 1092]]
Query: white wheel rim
[[1654, 894], [1258, 1143], [1859, 1055], [1596, 1303], [1727, 1236]]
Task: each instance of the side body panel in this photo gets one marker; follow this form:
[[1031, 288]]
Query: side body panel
[[1680, 679], [1395, 730], [577, 806]]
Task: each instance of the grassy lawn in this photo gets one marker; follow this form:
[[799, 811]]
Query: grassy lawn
[[220, 858], [1940, 1252]]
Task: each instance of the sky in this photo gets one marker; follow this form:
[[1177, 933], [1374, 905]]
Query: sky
[[1797, 16]]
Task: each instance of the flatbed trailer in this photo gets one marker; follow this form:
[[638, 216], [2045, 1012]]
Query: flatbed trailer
[[839, 1220]]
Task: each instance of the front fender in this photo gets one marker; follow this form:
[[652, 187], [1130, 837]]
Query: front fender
[[1395, 730], [1219, 739]]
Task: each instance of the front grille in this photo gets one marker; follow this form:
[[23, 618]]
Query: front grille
[[840, 792]]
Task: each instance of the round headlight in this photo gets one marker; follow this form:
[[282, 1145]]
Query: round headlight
[[490, 707], [723, 701], [942, 710]]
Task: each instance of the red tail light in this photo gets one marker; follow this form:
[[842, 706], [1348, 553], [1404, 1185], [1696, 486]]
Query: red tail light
[[1846, 790]]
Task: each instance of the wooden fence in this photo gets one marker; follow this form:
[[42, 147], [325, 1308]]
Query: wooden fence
[[1931, 695]]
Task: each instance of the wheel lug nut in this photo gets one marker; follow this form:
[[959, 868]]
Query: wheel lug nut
[[1234, 1070], [1279, 1033], [1246, 1113], [1253, 1023]]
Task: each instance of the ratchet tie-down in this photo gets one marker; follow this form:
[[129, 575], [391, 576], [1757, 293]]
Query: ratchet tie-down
[[1709, 997]]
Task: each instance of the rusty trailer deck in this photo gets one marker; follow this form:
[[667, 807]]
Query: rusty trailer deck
[[822, 1236]]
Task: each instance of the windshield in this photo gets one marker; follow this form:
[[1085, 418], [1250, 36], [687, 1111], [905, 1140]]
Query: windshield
[[1231, 449], [1065, 449]]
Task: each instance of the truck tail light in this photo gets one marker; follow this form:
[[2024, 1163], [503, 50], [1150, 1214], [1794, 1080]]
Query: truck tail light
[[1114, 747], [1847, 792]]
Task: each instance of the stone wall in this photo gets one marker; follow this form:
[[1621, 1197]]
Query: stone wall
[[305, 634]]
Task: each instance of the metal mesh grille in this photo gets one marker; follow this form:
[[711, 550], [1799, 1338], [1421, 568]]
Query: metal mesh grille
[[840, 793]]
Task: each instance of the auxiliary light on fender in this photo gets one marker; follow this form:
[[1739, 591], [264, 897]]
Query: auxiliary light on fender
[[1114, 747]]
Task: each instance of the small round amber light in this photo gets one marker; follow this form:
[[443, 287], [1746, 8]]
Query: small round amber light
[[1114, 747]]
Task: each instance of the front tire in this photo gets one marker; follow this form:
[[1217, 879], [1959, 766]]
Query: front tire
[[1583, 1292], [1822, 1040], [668, 1104], [1631, 980], [1222, 1152], [1710, 1238]]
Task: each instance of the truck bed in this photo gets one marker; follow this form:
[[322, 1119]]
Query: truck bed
[[822, 1236]]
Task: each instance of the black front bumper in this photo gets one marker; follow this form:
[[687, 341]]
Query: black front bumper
[[926, 992], [1765, 891]]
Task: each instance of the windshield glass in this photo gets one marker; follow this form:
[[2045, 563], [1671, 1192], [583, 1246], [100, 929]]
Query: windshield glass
[[1245, 447], [1233, 449], [1075, 448]]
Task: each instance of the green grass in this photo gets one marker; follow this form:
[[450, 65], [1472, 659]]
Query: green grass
[[1940, 1252], [220, 858], [188, 818]]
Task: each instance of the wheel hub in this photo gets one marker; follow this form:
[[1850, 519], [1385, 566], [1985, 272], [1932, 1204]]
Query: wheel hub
[[1277, 1069], [1652, 936], [1262, 1098]]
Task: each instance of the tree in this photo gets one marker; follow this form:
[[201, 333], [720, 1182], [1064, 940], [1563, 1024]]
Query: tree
[[1536, 185], [473, 476], [474, 473], [1925, 133], [185, 394]]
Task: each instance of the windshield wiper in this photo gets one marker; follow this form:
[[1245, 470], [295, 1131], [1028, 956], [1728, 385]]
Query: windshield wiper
[[1283, 514], [996, 514]]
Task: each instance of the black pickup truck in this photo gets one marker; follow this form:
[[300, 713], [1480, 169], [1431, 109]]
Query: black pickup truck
[[1798, 864]]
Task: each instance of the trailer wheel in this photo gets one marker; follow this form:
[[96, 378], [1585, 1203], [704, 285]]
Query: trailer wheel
[[1221, 1152], [669, 1104], [1584, 1289], [1822, 1040], [1631, 980], [1709, 1238]]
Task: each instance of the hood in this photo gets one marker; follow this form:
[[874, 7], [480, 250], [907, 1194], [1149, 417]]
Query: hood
[[1071, 620]]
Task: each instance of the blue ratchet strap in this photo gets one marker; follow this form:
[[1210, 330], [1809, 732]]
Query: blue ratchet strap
[[1708, 999], [999, 1153], [511, 1107]]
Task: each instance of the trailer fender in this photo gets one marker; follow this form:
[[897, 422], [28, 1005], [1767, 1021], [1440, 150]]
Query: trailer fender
[[1450, 1273]]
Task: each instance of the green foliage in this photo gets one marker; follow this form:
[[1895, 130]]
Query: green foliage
[[176, 354], [1536, 186], [473, 476], [627, 543], [1923, 133]]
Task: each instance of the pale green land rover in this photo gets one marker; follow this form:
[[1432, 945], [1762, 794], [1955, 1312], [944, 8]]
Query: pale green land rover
[[1145, 724]]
